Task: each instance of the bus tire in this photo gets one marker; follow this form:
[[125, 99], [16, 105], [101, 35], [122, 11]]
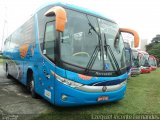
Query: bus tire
[[31, 86], [7, 72]]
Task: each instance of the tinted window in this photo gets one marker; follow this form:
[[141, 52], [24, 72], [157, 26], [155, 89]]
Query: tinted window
[[42, 19], [49, 40], [25, 34]]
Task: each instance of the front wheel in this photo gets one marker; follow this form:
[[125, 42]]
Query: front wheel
[[32, 87]]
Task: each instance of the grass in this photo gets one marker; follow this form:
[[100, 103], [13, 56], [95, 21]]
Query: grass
[[1, 60], [142, 97]]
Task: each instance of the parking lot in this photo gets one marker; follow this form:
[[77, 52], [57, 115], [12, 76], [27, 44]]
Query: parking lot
[[14, 99]]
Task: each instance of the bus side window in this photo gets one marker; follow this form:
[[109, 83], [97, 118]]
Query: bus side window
[[7, 43], [49, 40]]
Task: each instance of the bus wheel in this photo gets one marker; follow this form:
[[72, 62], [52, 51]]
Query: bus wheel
[[31, 87], [7, 72]]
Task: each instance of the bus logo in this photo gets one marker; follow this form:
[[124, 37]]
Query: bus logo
[[23, 50], [104, 88]]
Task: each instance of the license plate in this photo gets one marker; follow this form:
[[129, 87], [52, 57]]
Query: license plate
[[102, 98]]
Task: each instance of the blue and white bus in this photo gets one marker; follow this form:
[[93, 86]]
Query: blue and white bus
[[128, 52], [68, 55]]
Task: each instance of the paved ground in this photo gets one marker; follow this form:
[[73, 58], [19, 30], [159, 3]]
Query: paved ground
[[14, 99]]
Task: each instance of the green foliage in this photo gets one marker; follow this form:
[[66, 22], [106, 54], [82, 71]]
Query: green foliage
[[154, 49], [156, 39]]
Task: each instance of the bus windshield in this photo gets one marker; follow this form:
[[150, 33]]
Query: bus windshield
[[82, 43], [128, 57], [144, 60], [152, 61], [135, 58], [128, 54]]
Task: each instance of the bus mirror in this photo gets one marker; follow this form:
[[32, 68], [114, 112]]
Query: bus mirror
[[61, 17], [134, 33]]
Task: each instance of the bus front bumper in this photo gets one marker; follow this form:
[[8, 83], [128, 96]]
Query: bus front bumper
[[135, 71], [69, 96], [145, 70]]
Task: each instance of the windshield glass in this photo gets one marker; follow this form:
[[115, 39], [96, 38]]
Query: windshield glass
[[78, 41], [144, 60], [152, 61], [115, 42], [135, 59], [82, 37], [134, 54], [128, 57]]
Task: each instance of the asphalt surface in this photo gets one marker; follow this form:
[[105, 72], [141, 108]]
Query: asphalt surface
[[16, 102]]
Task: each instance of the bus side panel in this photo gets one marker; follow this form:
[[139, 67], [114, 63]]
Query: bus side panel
[[16, 64]]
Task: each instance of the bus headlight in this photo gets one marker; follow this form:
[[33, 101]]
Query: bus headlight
[[68, 82]]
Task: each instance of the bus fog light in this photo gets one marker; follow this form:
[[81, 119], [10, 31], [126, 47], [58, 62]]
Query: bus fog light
[[64, 97]]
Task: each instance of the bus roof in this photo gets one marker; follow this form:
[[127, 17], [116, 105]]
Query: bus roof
[[139, 51], [74, 7], [134, 50], [152, 56], [143, 52]]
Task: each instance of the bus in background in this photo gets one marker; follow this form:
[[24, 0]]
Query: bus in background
[[152, 62], [128, 54], [129, 58], [135, 70], [144, 62], [68, 55]]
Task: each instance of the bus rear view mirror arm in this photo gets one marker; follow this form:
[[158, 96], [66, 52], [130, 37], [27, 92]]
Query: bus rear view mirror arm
[[134, 33], [61, 17]]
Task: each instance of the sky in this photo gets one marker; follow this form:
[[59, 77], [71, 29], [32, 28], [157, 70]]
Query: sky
[[140, 15]]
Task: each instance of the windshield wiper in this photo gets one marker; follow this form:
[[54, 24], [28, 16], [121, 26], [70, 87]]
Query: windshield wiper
[[96, 50], [110, 50], [92, 59]]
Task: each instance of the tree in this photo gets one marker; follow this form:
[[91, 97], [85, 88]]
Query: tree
[[156, 39], [154, 49]]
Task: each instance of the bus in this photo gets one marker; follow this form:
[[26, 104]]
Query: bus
[[135, 70], [69, 56], [144, 62], [152, 62]]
